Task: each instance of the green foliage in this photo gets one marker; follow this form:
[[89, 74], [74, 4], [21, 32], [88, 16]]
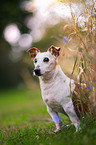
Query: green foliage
[[24, 120]]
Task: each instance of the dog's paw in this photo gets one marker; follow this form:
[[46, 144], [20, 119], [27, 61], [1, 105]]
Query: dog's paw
[[59, 127], [57, 130]]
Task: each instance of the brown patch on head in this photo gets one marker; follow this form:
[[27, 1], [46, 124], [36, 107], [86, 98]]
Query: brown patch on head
[[33, 52], [54, 50], [54, 65]]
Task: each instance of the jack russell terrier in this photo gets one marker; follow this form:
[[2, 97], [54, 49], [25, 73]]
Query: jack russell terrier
[[56, 87]]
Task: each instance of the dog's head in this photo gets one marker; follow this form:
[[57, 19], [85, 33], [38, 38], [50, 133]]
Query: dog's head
[[44, 62]]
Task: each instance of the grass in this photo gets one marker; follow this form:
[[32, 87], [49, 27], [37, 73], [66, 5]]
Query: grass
[[24, 121]]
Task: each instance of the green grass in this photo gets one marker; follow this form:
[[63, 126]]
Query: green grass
[[24, 121]]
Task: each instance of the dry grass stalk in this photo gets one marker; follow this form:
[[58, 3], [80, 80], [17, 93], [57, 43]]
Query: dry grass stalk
[[84, 65]]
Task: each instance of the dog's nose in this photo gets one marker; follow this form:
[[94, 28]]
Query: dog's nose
[[37, 71]]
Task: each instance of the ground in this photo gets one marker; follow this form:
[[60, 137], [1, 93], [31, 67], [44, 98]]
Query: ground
[[24, 121]]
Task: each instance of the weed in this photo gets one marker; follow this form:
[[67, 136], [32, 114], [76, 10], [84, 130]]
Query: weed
[[84, 68]]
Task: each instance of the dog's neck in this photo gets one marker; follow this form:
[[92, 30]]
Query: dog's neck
[[51, 79], [49, 76]]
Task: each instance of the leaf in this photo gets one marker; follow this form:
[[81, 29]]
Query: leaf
[[91, 18], [75, 64]]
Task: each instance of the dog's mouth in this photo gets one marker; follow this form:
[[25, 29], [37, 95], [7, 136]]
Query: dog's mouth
[[37, 72]]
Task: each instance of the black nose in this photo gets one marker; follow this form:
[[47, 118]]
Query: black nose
[[37, 71]]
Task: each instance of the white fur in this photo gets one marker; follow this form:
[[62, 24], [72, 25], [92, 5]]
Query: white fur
[[56, 89]]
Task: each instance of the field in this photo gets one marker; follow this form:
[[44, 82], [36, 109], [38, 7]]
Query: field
[[24, 121]]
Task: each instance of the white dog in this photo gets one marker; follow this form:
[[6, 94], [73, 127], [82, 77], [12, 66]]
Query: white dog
[[56, 87]]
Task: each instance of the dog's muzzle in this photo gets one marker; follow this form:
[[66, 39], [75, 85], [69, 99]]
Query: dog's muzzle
[[37, 72]]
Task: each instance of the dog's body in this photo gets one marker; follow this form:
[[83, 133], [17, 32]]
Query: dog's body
[[56, 87]]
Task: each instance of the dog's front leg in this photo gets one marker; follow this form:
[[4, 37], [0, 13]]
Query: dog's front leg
[[55, 117], [69, 109]]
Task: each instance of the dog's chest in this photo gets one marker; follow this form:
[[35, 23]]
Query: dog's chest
[[53, 103], [56, 93], [56, 90]]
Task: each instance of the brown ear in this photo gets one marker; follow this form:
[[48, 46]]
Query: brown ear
[[54, 50], [33, 52]]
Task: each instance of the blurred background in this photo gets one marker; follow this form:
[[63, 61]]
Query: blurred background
[[38, 23], [69, 24]]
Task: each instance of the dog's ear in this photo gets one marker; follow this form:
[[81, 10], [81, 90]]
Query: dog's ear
[[33, 52], [54, 50]]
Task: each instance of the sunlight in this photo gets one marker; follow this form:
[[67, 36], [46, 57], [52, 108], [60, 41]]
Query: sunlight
[[43, 6], [25, 41], [46, 13], [12, 33]]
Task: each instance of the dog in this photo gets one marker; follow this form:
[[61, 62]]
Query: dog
[[56, 87]]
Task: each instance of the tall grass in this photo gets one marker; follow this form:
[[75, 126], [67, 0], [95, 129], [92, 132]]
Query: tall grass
[[83, 32]]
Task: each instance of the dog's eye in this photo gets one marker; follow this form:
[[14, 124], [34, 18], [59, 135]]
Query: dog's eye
[[46, 59], [35, 61]]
